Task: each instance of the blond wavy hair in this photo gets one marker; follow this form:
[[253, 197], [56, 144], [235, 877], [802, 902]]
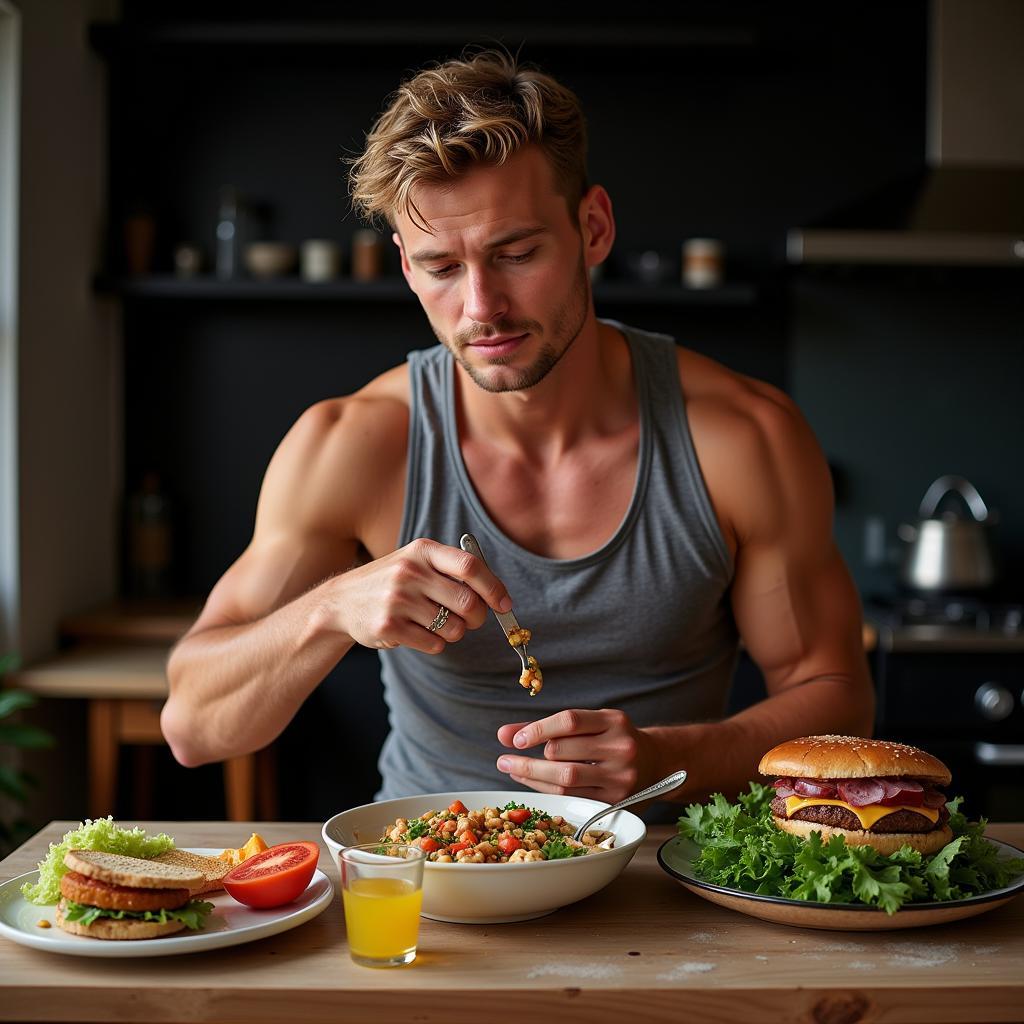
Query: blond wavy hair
[[450, 117]]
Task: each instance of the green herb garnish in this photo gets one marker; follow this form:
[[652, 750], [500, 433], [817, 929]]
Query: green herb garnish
[[557, 849], [527, 823], [417, 828]]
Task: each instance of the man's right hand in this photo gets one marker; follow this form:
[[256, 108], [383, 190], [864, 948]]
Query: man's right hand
[[392, 601]]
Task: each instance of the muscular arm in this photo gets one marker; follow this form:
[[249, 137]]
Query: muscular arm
[[794, 602], [258, 648], [291, 606]]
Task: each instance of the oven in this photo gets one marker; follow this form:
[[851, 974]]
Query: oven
[[950, 679]]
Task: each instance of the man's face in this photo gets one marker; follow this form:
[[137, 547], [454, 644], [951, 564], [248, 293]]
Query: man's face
[[502, 277]]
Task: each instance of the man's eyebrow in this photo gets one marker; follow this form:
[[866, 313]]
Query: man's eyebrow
[[429, 255]]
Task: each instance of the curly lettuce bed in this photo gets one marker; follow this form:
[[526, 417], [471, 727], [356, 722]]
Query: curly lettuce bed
[[742, 849]]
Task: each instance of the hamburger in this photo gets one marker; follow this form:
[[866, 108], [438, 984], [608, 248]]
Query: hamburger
[[108, 896], [872, 792]]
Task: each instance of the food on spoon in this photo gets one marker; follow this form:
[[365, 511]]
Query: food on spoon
[[274, 877], [520, 636], [511, 834], [872, 792], [110, 896], [531, 677]]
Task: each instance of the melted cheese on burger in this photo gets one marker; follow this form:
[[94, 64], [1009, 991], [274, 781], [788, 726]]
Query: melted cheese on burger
[[868, 815]]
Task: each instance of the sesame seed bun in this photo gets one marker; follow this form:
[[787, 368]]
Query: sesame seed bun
[[851, 757]]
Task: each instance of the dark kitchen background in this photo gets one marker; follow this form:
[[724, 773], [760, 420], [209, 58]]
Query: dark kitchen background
[[741, 122]]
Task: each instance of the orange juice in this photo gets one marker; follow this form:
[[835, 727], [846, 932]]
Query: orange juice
[[383, 917]]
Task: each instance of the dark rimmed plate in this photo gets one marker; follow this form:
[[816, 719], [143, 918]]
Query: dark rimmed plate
[[677, 854]]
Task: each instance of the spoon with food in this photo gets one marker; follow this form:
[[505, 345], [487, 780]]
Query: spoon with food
[[531, 677]]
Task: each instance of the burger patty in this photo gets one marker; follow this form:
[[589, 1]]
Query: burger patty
[[93, 893], [840, 817]]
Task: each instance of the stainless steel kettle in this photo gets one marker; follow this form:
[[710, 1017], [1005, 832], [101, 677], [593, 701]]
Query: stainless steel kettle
[[949, 552]]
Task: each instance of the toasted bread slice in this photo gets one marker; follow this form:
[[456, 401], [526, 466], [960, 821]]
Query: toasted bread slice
[[212, 869], [105, 928], [131, 871]]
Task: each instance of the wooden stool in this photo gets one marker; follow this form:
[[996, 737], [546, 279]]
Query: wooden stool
[[125, 688]]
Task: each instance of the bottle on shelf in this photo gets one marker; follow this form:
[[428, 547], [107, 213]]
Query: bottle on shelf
[[227, 250], [150, 539]]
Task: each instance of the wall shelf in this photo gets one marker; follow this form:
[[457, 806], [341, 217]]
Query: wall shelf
[[113, 39], [394, 289]]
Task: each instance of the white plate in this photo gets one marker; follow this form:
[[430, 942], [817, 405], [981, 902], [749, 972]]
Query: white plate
[[229, 924], [677, 855]]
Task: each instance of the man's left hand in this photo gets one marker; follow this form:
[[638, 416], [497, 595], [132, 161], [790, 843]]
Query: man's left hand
[[600, 755]]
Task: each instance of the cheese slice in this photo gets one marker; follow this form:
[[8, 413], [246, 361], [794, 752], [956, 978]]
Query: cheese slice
[[868, 815]]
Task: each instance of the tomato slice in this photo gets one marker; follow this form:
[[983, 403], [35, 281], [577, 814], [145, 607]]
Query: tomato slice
[[428, 844], [509, 844], [274, 877], [458, 807], [518, 815]]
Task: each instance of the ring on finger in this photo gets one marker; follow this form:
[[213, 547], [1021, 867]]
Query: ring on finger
[[439, 619]]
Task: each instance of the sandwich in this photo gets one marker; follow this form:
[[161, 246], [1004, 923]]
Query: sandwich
[[871, 792], [108, 896], [212, 869]]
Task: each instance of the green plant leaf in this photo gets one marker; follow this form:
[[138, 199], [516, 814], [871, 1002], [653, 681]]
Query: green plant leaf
[[12, 783], [14, 700], [24, 736]]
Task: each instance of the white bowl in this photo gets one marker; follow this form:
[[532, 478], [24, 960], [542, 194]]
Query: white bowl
[[496, 893]]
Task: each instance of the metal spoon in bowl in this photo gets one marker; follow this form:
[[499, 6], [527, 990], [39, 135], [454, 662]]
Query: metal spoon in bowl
[[670, 782]]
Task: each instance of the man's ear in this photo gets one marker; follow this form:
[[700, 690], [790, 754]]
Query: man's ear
[[406, 269], [597, 225]]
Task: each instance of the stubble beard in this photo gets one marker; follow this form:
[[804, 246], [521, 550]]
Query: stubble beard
[[566, 325]]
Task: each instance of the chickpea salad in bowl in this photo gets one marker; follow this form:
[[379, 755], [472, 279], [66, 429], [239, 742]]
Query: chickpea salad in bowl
[[539, 883], [510, 834]]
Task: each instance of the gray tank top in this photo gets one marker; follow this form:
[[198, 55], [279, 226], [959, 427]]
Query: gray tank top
[[642, 624]]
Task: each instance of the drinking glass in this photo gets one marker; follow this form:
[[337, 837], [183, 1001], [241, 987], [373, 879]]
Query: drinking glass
[[382, 891]]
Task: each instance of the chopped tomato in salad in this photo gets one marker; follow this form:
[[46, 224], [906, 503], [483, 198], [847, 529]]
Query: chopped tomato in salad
[[511, 834]]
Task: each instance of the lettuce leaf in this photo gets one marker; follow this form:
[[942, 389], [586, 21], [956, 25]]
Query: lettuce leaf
[[192, 913], [741, 848], [101, 834], [557, 848]]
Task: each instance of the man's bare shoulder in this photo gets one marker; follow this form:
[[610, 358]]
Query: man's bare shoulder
[[757, 452], [357, 425], [338, 449]]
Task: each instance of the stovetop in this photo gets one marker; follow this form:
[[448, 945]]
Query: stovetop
[[946, 622]]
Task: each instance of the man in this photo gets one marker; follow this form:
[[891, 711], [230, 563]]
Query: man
[[644, 506]]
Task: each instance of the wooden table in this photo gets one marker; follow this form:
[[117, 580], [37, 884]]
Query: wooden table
[[643, 949], [125, 687]]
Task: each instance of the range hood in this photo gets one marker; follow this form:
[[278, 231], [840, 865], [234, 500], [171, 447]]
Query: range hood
[[966, 207]]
